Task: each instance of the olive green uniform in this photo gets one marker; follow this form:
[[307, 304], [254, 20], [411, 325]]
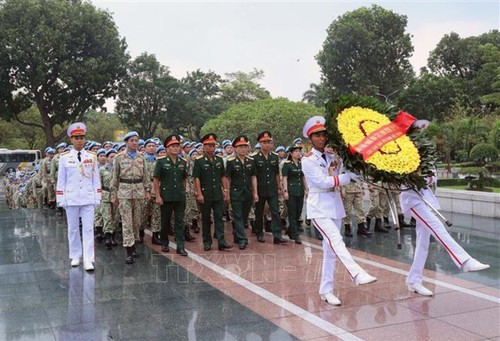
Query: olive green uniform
[[172, 176], [295, 202], [210, 173], [266, 171], [240, 191]]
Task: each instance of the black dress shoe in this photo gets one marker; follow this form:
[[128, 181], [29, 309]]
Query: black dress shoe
[[261, 239], [188, 237], [243, 246], [279, 240], [182, 252], [165, 248], [224, 246], [155, 239], [207, 247]]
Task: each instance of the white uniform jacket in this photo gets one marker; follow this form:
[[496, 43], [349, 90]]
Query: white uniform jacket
[[78, 182], [409, 198], [324, 199]]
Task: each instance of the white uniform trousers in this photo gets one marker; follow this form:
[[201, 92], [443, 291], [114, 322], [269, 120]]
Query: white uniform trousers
[[427, 224], [333, 247], [86, 212]]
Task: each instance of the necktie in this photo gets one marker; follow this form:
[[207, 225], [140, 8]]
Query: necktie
[[323, 156], [79, 156]]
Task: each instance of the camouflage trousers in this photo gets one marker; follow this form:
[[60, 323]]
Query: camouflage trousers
[[353, 202], [192, 210], [379, 207], [132, 215], [155, 216], [39, 198], [109, 214], [51, 191], [98, 221]]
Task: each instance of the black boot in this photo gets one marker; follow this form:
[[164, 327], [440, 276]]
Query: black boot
[[141, 236], [402, 223], [155, 239], [283, 224], [134, 252], [347, 230], [363, 231], [99, 235], [252, 224], [187, 236], [379, 227], [387, 223], [108, 241], [130, 255], [194, 226], [368, 223], [267, 227], [113, 241]]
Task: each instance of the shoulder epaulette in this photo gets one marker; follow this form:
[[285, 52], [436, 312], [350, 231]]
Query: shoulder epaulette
[[287, 161], [219, 156], [161, 157], [253, 154], [231, 158], [200, 157], [274, 153], [249, 157], [91, 152], [182, 158], [66, 152], [308, 154]]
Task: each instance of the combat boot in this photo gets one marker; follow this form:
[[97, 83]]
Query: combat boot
[[363, 231], [402, 223], [130, 255], [134, 252], [99, 235], [387, 223], [379, 227], [187, 236], [267, 227], [347, 230], [194, 226], [113, 240], [108, 241], [155, 239], [368, 223], [141, 236]]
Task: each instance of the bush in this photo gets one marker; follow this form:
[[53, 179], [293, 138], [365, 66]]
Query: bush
[[483, 152]]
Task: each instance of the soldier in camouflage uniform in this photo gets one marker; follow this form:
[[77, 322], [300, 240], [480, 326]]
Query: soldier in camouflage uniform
[[130, 186], [192, 213], [352, 198], [109, 212], [151, 211], [48, 181], [54, 168], [98, 220], [38, 190], [378, 205]]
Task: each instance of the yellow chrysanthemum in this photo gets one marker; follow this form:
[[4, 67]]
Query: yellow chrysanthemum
[[399, 156]]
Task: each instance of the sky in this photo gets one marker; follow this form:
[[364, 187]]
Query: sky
[[279, 37]]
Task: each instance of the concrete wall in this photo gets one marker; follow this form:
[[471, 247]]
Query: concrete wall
[[469, 202]]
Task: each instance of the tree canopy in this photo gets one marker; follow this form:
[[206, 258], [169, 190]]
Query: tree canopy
[[367, 51], [63, 56], [285, 119]]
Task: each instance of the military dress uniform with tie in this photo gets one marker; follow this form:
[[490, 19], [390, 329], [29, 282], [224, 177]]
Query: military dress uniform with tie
[[172, 176], [266, 171], [295, 202], [240, 173], [79, 192], [210, 173]]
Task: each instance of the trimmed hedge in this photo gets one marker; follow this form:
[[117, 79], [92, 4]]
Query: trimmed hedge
[[492, 182]]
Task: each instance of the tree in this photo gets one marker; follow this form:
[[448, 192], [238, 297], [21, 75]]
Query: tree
[[102, 126], [367, 51], [282, 117], [430, 97], [317, 95], [243, 87], [484, 152], [490, 73], [63, 56], [147, 95], [199, 101]]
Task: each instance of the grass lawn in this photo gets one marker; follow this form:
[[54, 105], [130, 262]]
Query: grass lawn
[[494, 189]]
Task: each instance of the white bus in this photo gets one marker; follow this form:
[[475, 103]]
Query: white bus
[[19, 159]]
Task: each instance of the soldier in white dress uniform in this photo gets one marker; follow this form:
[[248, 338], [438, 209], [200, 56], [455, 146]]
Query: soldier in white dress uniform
[[427, 224], [79, 192], [325, 208]]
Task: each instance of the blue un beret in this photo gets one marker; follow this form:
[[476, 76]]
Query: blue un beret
[[101, 151], [130, 134], [280, 149], [62, 145], [111, 151]]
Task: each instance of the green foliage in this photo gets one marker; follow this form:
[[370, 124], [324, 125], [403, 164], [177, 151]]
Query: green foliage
[[356, 163], [64, 56], [472, 170], [148, 95], [367, 51], [243, 87], [430, 97], [102, 126], [483, 152], [285, 120], [317, 95]]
